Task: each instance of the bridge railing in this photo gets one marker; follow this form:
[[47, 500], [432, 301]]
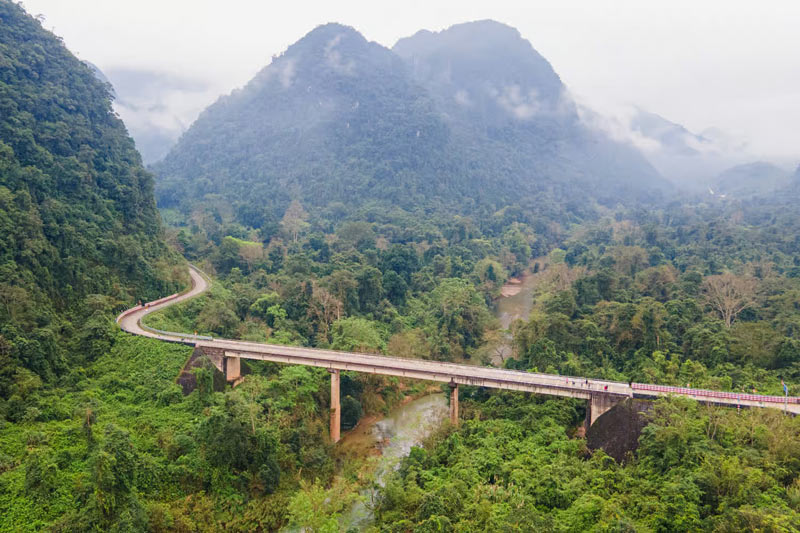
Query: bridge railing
[[685, 391]]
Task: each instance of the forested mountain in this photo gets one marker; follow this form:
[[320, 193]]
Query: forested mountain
[[751, 179], [335, 118], [504, 102], [79, 231], [444, 119]]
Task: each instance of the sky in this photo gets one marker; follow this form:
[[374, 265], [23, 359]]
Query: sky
[[727, 64]]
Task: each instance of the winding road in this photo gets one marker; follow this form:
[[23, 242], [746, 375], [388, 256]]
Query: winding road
[[604, 393]]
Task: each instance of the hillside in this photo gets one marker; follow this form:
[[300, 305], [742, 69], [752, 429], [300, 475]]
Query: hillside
[[751, 179], [340, 120], [79, 231], [507, 105], [332, 119]]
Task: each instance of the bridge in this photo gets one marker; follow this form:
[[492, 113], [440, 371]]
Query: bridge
[[601, 394]]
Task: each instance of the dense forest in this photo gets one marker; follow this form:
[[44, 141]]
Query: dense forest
[[96, 435], [79, 231]]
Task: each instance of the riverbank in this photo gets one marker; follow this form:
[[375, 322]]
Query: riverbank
[[382, 442]]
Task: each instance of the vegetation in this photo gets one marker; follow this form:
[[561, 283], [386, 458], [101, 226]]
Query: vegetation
[[79, 232], [513, 467]]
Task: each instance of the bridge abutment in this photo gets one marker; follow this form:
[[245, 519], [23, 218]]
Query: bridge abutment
[[336, 408], [599, 404], [454, 403]]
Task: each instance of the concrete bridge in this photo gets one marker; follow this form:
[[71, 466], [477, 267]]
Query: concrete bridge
[[601, 395]]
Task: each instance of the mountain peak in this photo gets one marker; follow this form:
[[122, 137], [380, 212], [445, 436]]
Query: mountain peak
[[332, 30], [484, 66]]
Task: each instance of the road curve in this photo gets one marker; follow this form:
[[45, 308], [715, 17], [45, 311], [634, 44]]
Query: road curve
[[130, 320], [576, 387]]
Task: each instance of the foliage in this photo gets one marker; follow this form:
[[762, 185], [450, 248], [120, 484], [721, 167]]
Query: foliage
[[79, 232], [514, 467]]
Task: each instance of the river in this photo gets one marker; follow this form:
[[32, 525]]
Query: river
[[516, 303], [406, 426], [409, 424]]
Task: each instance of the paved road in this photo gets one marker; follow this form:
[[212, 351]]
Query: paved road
[[576, 387], [130, 320]]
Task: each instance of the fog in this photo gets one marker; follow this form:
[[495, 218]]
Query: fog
[[728, 65]]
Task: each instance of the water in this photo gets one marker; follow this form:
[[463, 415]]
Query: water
[[520, 304], [406, 426], [510, 308], [409, 424]]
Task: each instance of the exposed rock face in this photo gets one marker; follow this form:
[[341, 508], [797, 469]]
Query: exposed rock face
[[617, 431], [187, 378]]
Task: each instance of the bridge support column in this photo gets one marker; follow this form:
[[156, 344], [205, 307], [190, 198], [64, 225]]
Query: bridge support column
[[454, 403], [336, 408], [233, 368], [599, 404]]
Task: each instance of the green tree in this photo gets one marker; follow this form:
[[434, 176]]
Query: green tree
[[355, 334]]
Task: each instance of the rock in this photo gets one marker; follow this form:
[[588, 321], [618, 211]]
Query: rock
[[617, 431]]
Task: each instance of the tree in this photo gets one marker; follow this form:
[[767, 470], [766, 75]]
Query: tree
[[294, 219], [370, 289], [355, 334], [343, 285], [325, 308], [729, 294], [351, 412], [458, 317], [114, 499], [316, 510], [410, 343]]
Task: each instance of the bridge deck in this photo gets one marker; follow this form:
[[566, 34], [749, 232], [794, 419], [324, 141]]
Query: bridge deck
[[575, 387]]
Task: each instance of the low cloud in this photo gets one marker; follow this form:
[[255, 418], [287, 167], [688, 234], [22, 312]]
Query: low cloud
[[462, 97], [522, 104], [333, 57], [158, 107], [286, 73]]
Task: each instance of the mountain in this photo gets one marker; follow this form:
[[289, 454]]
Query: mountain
[[689, 160], [340, 120], [77, 213], [751, 179], [504, 101], [672, 138], [334, 118]]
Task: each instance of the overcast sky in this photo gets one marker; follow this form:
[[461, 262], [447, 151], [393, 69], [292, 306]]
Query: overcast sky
[[729, 64]]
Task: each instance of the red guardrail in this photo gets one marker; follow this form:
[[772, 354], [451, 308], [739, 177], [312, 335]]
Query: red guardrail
[[714, 394]]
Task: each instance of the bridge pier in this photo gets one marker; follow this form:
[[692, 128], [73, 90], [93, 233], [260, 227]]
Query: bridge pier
[[453, 403], [599, 404], [336, 408], [233, 368]]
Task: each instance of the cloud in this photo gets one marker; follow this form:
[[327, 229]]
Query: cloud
[[462, 97], [618, 127], [286, 73], [157, 107], [521, 104], [334, 57]]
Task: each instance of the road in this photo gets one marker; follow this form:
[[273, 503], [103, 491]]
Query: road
[[130, 320], [555, 385]]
